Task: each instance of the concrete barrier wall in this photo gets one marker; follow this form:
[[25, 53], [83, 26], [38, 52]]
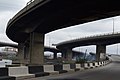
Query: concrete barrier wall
[[78, 66], [96, 64], [66, 66], [58, 67], [50, 69], [20, 72], [70, 67], [25, 72], [4, 74], [38, 71], [86, 65], [91, 65], [2, 64]]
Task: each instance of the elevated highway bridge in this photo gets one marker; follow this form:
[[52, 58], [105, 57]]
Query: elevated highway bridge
[[42, 16], [105, 39], [101, 41], [4, 44]]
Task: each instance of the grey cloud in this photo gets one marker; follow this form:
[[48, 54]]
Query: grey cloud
[[8, 8]]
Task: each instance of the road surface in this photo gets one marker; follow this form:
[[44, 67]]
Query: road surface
[[108, 72]]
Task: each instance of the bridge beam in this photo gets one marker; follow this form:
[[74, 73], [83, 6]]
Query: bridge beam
[[100, 52], [36, 48]]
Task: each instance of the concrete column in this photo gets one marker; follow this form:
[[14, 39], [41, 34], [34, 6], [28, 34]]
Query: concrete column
[[27, 54], [55, 55], [20, 54], [36, 48], [63, 55], [100, 52], [69, 55]]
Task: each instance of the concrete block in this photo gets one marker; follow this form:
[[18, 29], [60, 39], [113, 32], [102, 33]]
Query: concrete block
[[2, 64], [73, 66], [67, 67], [20, 72], [86, 65], [59, 68], [37, 70], [4, 74], [91, 65], [79, 66], [7, 62], [104, 63], [100, 63], [96, 64], [7, 78], [50, 69]]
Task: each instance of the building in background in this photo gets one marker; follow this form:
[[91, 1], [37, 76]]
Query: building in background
[[8, 53]]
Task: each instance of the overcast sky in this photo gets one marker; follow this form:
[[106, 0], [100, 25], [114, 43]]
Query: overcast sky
[[8, 8]]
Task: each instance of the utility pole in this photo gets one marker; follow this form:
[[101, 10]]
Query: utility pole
[[113, 25], [117, 49], [49, 41], [85, 54]]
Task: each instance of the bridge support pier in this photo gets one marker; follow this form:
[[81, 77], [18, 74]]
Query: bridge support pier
[[36, 48], [55, 55], [63, 55], [20, 55], [69, 55], [27, 54], [100, 52]]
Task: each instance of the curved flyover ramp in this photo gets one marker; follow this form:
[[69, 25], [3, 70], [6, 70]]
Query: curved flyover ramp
[[101, 41], [44, 16]]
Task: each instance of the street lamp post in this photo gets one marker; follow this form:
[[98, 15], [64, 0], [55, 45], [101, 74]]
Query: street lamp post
[[117, 49], [113, 25]]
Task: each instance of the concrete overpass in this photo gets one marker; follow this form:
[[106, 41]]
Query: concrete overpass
[[3, 44], [101, 41], [43, 16]]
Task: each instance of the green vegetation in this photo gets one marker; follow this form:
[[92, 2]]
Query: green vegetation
[[81, 60]]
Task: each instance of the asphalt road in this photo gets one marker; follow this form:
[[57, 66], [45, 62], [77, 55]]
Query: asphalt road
[[108, 72]]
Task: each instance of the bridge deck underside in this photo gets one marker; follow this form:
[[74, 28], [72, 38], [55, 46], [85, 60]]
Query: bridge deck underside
[[56, 14]]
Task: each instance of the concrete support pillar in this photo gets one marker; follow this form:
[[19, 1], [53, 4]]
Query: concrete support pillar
[[100, 52], [63, 55], [55, 55], [69, 55], [20, 54], [27, 54], [36, 48]]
